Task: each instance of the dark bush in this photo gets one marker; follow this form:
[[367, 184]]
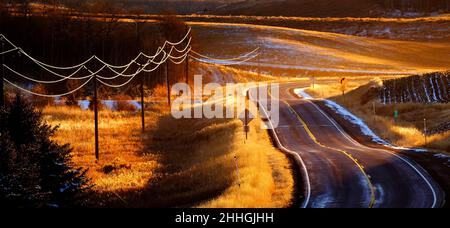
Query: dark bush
[[35, 171], [124, 106]]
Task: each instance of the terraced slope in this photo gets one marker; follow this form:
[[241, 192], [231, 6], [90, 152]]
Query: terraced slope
[[428, 88]]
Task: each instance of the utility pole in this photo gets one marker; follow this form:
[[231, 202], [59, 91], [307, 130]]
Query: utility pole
[[187, 68], [247, 103], [167, 80], [142, 104], [259, 76], [138, 40], [2, 75], [246, 124], [343, 87], [237, 170], [187, 61], [259, 66], [96, 118]]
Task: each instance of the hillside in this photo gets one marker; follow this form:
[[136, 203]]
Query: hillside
[[303, 8], [428, 88], [294, 52], [332, 8]]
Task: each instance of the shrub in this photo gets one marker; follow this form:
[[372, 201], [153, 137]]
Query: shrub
[[122, 105], [34, 170], [100, 105], [41, 101], [159, 92]]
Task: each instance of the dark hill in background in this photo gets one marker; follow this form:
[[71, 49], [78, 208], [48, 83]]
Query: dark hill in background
[[334, 8], [304, 8]]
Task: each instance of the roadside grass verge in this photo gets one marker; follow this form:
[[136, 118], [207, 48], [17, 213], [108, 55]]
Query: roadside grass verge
[[175, 163], [199, 166]]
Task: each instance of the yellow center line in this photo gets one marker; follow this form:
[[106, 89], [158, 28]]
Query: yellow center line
[[361, 167]]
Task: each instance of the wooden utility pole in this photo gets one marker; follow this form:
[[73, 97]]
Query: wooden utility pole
[[237, 170], [96, 118], [187, 61], [259, 66], [138, 40], [247, 104], [2, 75], [343, 87], [167, 80], [259, 77], [187, 69], [246, 124], [142, 104]]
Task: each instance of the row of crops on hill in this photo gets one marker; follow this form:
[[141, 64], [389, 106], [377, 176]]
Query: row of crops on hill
[[427, 88]]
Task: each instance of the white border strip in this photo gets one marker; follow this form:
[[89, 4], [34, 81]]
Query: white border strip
[[297, 157]]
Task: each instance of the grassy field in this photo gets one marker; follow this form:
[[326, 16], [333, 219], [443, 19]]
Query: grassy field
[[291, 52], [407, 130], [188, 162], [225, 74]]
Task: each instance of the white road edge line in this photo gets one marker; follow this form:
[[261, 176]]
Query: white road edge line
[[293, 153], [359, 144]]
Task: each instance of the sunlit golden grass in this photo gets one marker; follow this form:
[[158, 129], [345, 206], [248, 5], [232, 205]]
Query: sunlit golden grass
[[187, 162], [407, 131], [330, 90], [411, 136], [227, 74], [120, 143], [265, 174]]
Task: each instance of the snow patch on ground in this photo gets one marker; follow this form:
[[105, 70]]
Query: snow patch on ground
[[363, 127], [379, 193], [322, 201], [84, 104], [357, 121], [109, 104], [444, 156], [302, 93]]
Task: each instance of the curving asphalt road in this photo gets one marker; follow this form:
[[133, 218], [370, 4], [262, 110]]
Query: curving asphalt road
[[343, 173]]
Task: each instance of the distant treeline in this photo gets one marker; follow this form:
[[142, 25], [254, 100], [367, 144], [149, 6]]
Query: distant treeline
[[417, 5], [53, 37], [146, 6]]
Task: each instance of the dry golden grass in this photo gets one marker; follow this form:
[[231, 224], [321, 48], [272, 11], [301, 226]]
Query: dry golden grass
[[327, 87], [120, 144], [243, 76], [265, 174], [228, 74], [188, 162], [407, 131]]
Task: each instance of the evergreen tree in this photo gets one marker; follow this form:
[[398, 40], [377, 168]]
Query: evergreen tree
[[35, 171]]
